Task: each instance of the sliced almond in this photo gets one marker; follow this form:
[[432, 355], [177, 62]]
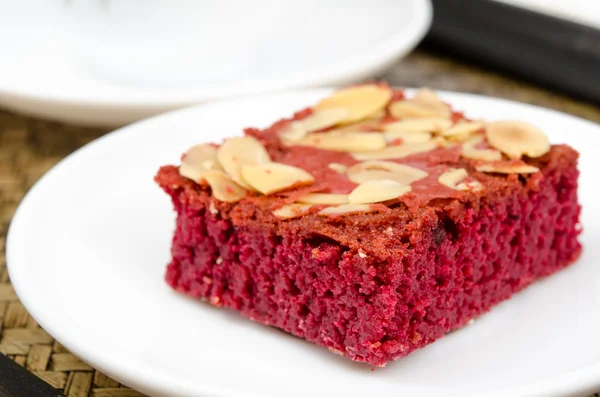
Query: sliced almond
[[381, 170], [407, 137], [428, 124], [345, 141], [223, 187], [378, 115], [325, 118], [319, 120], [473, 140], [197, 160], [273, 177], [471, 153], [337, 167], [424, 104], [291, 211], [377, 191], [498, 168], [294, 131], [447, 143], [516, 138], [456, 139], [407, 109], [360, 101], [324, 198], [463, 128], [370, 124], [398, 151], [451, 177], [426, 94], [237, 152], [346, 209]]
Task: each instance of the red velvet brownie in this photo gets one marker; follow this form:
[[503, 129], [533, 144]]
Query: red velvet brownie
[[372, 224]]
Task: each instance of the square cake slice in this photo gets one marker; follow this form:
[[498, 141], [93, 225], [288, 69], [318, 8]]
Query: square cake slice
[[371, 223]]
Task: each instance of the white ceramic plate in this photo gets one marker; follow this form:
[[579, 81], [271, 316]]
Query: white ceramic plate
[[318, 43], [98, 227]]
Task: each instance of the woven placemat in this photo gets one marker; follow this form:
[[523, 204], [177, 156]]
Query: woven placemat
[[29, 147]]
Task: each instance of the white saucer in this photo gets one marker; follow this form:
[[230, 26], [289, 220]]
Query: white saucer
[[350, 41], [97, 226]]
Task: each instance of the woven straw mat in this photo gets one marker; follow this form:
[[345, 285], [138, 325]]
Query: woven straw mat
[[28, 148]]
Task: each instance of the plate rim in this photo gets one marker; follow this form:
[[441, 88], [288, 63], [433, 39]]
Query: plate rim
[[584, 379]]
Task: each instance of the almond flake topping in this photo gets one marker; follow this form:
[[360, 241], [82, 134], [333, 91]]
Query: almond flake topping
[[324, 118], [360, 101], [469, 150], [380, 170], [516, 138], [397, 152], [337, 167], [237, 152], [346, 209], [323, 198], [291, 211], [407, 136], [378, 115], [424, 104], [273, 177], [197, 160], [377, 191], [428, 124], [453, 176], [319, 120], [508, 168], [223, 187], [370, 124], [426, 94], [463, 128], [345, 141], [351, 120], [294, 131]]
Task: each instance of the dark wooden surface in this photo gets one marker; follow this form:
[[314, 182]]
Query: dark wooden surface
[[29, 147]]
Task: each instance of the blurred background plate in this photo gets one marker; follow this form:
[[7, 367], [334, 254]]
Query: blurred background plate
[[318, 43]]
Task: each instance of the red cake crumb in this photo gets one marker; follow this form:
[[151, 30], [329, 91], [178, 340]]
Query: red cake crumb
[[375, 286]]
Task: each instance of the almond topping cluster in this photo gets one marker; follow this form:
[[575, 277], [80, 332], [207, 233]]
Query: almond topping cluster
[[238, 166], [376, 131], [353, 123]]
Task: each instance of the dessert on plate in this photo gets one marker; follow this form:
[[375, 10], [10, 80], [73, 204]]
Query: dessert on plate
[[372, 223]]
